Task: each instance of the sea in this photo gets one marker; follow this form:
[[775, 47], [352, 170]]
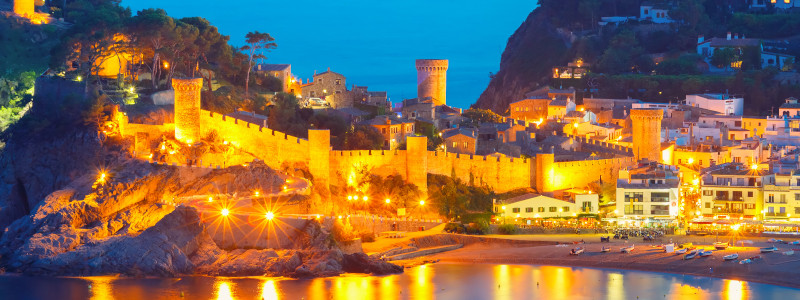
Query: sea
[[372, 43], [433, 281]]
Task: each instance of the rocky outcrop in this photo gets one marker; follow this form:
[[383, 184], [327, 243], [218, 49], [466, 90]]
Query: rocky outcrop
[[523, 67]]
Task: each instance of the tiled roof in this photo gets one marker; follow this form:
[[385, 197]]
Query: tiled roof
[[271, 67]]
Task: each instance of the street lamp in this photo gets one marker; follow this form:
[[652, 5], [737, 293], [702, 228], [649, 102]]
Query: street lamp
[[269, 216], [421, 202], [388, 201], [224, 212]]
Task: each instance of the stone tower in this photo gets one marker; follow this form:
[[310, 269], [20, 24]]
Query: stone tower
[[187, 108], [24, 7], [432, 80], [647, 133]]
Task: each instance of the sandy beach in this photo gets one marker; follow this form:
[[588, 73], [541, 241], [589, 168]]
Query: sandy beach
[[772, 268]]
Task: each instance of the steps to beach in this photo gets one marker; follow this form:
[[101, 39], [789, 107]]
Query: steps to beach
[[424, 252]]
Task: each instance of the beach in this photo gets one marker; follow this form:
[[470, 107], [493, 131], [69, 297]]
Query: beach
[[772, 268]]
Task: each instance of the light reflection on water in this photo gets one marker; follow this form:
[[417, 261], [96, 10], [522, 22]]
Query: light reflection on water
[[438, 281]]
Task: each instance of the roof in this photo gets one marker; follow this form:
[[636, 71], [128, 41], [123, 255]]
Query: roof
[[790, 105], [724, 42], [352, 111], [326, 72], [558, 103], [271, 67], [575, 114], [528, 197], [469, 132], [377, 94]]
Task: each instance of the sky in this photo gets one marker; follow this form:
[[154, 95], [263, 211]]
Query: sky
[[372, 43]]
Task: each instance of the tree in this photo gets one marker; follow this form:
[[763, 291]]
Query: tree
[[478, 116], [256, 42], [362, 137], [210, 46], [589, 9], [723, 57], [154, 31]]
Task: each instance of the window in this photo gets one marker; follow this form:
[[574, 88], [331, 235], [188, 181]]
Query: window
[[587, 206], [540, 209], [515, 210], [313, 94], [553, 209], [771, 198], [465, 144], [634, 197], [783, 198], [529, 209], [722, 195], [659, 197], [796, 197], [737, 196], [338, 82], [320, 81], [383, 130], [750, 194], [797, 210], [708, 204], [566, 208], [631, 209], [455, 144], [660, 210], [749, 206]]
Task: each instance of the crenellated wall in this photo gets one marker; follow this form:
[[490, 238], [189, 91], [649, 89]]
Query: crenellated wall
[[338, 167], [500, 173]]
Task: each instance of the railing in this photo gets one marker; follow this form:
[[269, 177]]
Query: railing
[[774, 214], [728, 211]]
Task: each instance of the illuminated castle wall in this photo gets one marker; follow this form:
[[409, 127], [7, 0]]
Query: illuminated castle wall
[[187, 108], [646, 125], [432, 80], [24, 7]]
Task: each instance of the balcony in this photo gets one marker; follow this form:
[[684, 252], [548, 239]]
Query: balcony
[[775, 215]]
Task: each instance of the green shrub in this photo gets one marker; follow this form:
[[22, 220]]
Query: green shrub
[[479, 227], [454, 228], [507, 229], [367, 237]]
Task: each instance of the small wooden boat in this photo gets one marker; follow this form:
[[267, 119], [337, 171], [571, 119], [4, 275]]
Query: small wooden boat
[[745, 261], [790, 252], [680, 251], [720, 245], [576, 251], [795, 243], [605, 249], [731, 256], [704, 253], [686, 245], [755, 257], [626, 249], [690, 255], [769, 249]]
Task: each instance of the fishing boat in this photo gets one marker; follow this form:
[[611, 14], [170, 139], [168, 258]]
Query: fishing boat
[[720, 245], [576, 251], [769, 249], [690, 255], [731, 256], [605, 249], [795, 243], [790, 252], [626, 249], [745, 261], [704, 253], [686, 245], [680, 251]]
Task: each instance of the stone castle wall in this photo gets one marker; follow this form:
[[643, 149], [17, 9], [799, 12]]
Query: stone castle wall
[[646, 125], [24, 7], [501, 173]]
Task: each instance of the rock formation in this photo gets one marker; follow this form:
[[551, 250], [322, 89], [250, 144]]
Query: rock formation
[[522, 68]]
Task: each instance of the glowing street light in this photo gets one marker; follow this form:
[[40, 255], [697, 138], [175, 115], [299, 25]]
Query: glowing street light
[[269, 215], [365, 198], [257, 193], [421, 202], [754, 167], [210, 199], [349, 197], [388, 201], [224, 212]]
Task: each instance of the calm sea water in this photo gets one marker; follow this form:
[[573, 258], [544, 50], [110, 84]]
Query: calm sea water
[[438, 281], [373, 43]]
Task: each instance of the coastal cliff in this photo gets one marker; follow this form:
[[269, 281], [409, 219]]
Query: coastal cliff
[[531, 52]]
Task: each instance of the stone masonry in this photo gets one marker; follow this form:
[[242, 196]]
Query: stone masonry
[[432, 80], [187, 108]]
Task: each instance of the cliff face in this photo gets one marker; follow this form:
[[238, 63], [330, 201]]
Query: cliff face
[[32, 167], [526, 63]]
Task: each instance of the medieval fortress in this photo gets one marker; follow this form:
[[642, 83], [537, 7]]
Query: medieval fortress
[[329, 167]]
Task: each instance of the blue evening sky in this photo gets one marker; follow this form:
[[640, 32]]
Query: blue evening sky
[[372, 42]]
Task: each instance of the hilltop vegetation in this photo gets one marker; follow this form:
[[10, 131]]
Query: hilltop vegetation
[[623, 60]]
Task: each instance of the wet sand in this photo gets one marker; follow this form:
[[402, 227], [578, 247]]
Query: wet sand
[[771, 268]]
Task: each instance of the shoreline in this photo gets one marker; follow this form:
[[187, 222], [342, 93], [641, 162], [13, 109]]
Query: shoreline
[[772, 268]]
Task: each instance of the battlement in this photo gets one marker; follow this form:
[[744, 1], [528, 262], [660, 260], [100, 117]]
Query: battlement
[[432, 64], [647, 113], [187, 84]]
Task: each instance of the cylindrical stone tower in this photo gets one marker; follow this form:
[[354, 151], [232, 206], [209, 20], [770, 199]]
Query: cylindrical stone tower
[[432, 80], [187, 108], [24, 7], [646, 125]]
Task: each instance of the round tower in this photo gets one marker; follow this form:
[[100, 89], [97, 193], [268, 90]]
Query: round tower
[[187, 108], [24, 7], [432, 80], [646, 125]]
